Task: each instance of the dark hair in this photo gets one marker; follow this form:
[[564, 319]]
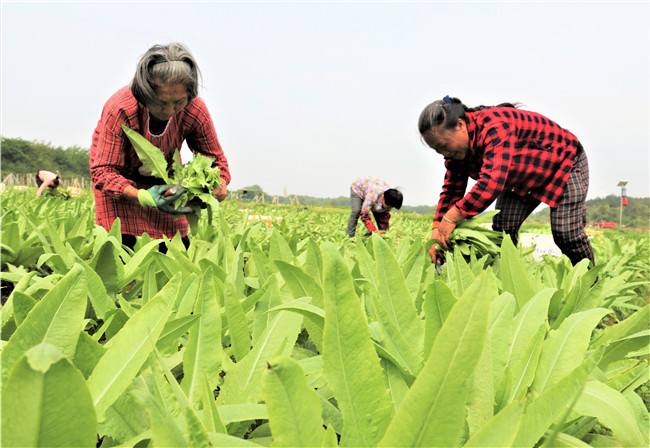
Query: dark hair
[[393, 198], [445, 114], [171, 63], [55, 182]]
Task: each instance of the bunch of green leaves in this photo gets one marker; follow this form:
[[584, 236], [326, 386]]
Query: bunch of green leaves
[[197, 177], [475, 233], [199, 181], [56, 193]]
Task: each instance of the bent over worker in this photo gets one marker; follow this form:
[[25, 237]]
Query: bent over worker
[[45, 179], [161, 104], [518, 158], [369, 195]]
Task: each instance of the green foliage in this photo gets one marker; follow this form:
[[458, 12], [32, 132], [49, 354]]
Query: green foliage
[[636, 215], [295, 335], [23, 157]]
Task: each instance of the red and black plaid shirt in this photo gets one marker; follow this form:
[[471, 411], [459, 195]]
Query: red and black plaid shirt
[[114, 163], [510, 149]]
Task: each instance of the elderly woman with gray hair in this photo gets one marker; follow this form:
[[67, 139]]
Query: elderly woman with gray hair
[[162, 104]]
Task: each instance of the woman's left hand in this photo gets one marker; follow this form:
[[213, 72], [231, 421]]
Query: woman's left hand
[[221, 192], [448, 224], [444, 231]]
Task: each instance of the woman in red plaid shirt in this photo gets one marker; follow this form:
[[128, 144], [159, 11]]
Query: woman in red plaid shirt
[[162, 105], [519, 159]]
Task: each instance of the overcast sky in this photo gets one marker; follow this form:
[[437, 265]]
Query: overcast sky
[[307, 96]]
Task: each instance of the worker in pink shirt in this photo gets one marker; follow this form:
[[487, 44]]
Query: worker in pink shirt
[[369, 195], [45, 179]]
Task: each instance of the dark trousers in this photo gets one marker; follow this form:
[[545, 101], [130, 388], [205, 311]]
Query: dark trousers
[[568, 219]]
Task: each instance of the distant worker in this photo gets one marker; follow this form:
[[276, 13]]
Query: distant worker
[[161, 104], [519, 159], [369, 195], [45, 179]]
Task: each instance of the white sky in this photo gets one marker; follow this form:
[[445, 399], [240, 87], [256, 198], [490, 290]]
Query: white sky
[[308, 96]]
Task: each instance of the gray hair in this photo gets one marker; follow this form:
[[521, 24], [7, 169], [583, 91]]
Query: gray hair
[[171, 63]]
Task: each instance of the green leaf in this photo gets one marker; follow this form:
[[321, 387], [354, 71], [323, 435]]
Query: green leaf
[[302, 306], [23, 304], [243, 382], [128, 350], [164, 428], [238, 325], [555, 401], [279, 249], [500, 430], [522, 370], [613, 411], [211, 417], [480, 401], [500, 330], [350, 363], [395, 296], [168, 341], [139, 262], [45, 402], [197, 434], [102, 303], [56, 319], [397, 385], [433, 411], [124, 420], [566, 347], [395, 342], [151, 156], [294, 408], [531, 316], [438, 302], [109, 267], [230, 413], [302, 284], [514, 277], [262, 302], [203, 353]]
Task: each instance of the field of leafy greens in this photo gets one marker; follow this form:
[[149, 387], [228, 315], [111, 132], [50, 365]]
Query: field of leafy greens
[[294, 335]]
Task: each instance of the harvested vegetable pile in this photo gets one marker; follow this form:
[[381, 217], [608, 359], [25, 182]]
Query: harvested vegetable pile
[[475, 233]]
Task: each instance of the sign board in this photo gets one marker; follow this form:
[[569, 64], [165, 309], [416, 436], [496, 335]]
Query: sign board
[[544, 244]]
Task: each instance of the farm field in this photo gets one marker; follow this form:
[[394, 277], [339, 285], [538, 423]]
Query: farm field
[[289, 333]]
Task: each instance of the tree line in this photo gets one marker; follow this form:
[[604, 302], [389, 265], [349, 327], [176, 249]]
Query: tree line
[[21, 157]]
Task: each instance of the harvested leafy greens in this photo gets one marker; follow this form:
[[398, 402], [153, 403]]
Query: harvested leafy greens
[[199, 178], [474, 233]]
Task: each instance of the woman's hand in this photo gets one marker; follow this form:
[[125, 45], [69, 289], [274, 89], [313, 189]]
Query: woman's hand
[[444, 231], [221, 192], [448, 224], [436, 254]]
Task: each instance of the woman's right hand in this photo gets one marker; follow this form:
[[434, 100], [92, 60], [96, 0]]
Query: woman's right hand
[[435, 252]]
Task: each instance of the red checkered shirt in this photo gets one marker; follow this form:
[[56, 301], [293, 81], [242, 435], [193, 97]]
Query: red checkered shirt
[[114, 163], [510, 149]]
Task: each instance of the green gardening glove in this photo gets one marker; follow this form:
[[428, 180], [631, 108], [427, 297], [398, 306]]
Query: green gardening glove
[[155, 197]]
